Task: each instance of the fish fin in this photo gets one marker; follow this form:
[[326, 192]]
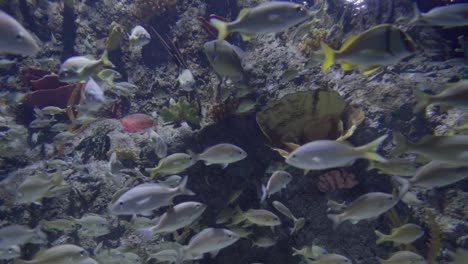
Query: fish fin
[[401, 143], [417, 14], [329, 56], [224, 165], [336, 219], [214, 253], [142, 202], [221, 26], [264, 194], [208, 163], [371, 70], [246, 36], [243, 13], [381, 261], [380, 237], [305, 172], [405, 185], [368, 150], [423, 101], [371, 165], [183, 187], [153, 172], [349, 41], [346, 66], [105, 60]]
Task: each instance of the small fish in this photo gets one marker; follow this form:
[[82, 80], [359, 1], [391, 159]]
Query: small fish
[[63, 137], [225, 59], [160, 146], [327, 154], [367, 206], [136, 122], [63, 225], [14, 235], [454, 15], [52, 110], [262, 217], [15, 38], [94, 93], [125, 89], [171, 181], [263, 242], [403, 257], [405, 234], [455, 95], [109, 75], [41, 123], [208, 240], [36, 187], [330, 259], [298, 222], [139, 37], [10, 252], [234, 196], [310, 252], [85, 119], [246, 106], [267, 17], [144, 198], [81, 68], [7, 64], [59, 127], [240, 231], [175, 218], [172, 164], [378, 46], [277, 181], [400, 167], [68, 253], [411, 198], [186, 80], [91, 220], [225, 215], [222, 154], [166, 255], [336, 206], [448, 149]]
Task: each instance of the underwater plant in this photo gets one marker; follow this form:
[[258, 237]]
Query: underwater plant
[[182, 110]]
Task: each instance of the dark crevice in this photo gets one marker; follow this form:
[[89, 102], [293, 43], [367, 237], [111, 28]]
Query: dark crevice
[[68, 30]]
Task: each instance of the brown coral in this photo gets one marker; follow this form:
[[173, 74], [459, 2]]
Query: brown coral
[[148, 10], [336, 179]]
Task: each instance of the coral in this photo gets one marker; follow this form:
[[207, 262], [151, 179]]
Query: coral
[[183, 110], [308, 115], [434, 244], [336, 179], [310, 42], [125, 153], [148, 10], [221, 111]]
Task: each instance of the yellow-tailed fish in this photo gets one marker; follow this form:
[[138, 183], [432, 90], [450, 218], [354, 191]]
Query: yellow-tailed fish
[[298, 222], [262, 217], [15, 38], [277, 181], [70, 254], [327, 154], [172, 164], [378, 46], [274, 16], [330, 259], [310, 252], [404, 234], [455, 15], [455, 95], [225, 59], [222, 154], [263, 242], [404, 257], [81, 68], [208, 240]]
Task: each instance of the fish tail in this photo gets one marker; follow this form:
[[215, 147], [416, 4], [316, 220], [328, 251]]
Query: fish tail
[[380, 237], [401, 143], [404, 186], [153, 172], [336, 219], [381, 261], [264, 194], [416, 14], [296, 251], [329, 56], [183, 187], [195, 156], [105, 60], [221, 26], [423, 101], [369, 149], [371, 165]]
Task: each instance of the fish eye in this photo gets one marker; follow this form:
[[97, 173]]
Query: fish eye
[[390, 198], [121, 203], [299, 9], [19, 36], [294, 156], [229, 236], [10, 250], [82, 252], [64, 73]]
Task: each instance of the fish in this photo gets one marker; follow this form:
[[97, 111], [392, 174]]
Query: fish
[[262, 217], [67, 253], [298, 222], [158, 143], [454, 15], [136, 122], [378, 46], [171, 181], [41, 123], [454, 95], [166, 255], [15, 38], [63, 225], [448, 149], [144, 198], [63, 137], [310, 252], [7, 64], [330, 259], [81, 68], [109, 75], [139, 37], [263, 242], [186, 80], [241, 231], [36, 187], [59, 127], [327, 154], [335, 206], [10, 252], [172, 164], [434, 174], [411, 198], [460, 256], [222, 154], [367, 206], [52, 110], [277, 181], [269, 17], [246, 106], [94, 95], [125, 89], [405, 234], [17, 235], [461, 129], [397, 166], [85, 119], [404, 257], [209, 240], [225, 59], [175, 218]]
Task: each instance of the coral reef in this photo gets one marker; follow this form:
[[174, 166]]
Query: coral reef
[[335, 180], [149, 10]]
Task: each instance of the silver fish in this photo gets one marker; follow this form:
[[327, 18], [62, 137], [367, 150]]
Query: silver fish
[[277, 181], [70, 254], [455, 15], [15, 38], [225, 59], [209, 240], [14, 235], [221, 154]]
